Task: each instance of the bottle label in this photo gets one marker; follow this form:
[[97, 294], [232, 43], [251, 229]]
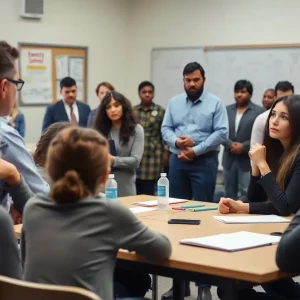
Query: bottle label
[[111, 193], [161, 191]]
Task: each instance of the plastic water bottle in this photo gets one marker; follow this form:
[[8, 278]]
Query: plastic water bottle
[[163, 192], [111, 188]]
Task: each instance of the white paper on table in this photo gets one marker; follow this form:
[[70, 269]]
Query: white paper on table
[[233, 241], [76, 68], [137, 210], [62, 66], [251, 219], [154, 202]]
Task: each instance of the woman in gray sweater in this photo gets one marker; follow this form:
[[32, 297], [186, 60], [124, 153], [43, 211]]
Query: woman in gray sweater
[[71, 236], [116, 121]]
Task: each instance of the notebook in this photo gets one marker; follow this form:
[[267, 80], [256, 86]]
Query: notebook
[[230, 242], [251, 219], [154, 202], [137, 210]]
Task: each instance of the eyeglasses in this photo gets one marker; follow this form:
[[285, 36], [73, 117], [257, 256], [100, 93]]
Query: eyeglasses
[[19, 83]]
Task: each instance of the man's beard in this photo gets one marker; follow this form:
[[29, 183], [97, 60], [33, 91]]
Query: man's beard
[[194, 94]]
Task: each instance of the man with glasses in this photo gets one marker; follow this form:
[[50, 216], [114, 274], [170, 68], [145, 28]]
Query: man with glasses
[[12, 145]]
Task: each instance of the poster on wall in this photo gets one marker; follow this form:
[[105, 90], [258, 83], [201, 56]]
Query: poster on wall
[[36, 71]]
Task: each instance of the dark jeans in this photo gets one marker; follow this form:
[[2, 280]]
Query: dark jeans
[[194, 180], [145, 187]]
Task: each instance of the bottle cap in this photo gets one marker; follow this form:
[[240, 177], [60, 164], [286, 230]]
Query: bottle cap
[[163, 174], [111, 176]]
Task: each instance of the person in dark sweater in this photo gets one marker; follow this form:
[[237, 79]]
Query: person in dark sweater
[[274, 185], [81, 233], [289, 247]]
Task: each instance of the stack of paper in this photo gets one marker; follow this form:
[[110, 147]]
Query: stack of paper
[[137, 210], [154, 202], [233, 241], [251, 219]]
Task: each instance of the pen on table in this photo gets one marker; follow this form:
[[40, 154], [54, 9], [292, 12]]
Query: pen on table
[[203, 208], [192, 206], [178, 208]]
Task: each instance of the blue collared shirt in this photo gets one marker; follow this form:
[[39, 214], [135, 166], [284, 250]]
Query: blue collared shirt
[[205, 121], [17, 154]]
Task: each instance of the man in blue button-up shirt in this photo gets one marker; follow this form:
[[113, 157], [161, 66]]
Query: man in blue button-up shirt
[[195, 125]]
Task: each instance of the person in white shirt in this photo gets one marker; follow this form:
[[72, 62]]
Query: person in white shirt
[[68, 109], [282, 88]]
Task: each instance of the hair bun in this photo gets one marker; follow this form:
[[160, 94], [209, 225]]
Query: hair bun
[[72, 178], [69, 189]]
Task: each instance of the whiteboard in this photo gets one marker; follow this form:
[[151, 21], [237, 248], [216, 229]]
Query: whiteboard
[[166, 70], [263, 67]]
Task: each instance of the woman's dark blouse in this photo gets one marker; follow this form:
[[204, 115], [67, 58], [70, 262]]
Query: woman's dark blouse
[[283, 203]]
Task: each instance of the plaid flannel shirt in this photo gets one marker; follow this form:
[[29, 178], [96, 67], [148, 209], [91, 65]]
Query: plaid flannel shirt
[[151, 120]]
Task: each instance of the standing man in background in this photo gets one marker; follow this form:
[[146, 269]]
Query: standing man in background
[[156, 155], [68, 109], [194, 126], [282, 88], [236, 162], [101, 90], [268, 98]]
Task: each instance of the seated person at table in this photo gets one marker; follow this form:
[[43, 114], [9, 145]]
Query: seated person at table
[[81, 233], [282, 88], [12, 144], [289, 246], [42, 146], [19, 191], [274, 185], [10, 262]]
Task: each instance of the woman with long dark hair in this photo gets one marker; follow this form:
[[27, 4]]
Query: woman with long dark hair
[[115, 120], [274, 185]]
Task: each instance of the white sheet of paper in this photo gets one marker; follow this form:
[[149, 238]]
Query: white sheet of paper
[[62, 66], [251, 219], [154, 202], [137, 210], [76, 68], [79, 91], [233, 241]]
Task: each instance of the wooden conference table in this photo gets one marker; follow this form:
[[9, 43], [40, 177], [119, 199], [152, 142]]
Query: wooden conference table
[[231, 271]]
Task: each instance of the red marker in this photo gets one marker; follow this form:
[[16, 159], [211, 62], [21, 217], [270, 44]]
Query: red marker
[[178, 208]]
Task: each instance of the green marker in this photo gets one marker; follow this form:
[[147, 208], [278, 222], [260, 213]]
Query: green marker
[[203, 208], [192, 206]]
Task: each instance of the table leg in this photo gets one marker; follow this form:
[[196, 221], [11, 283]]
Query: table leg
[[154, 287], [178, 289]]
